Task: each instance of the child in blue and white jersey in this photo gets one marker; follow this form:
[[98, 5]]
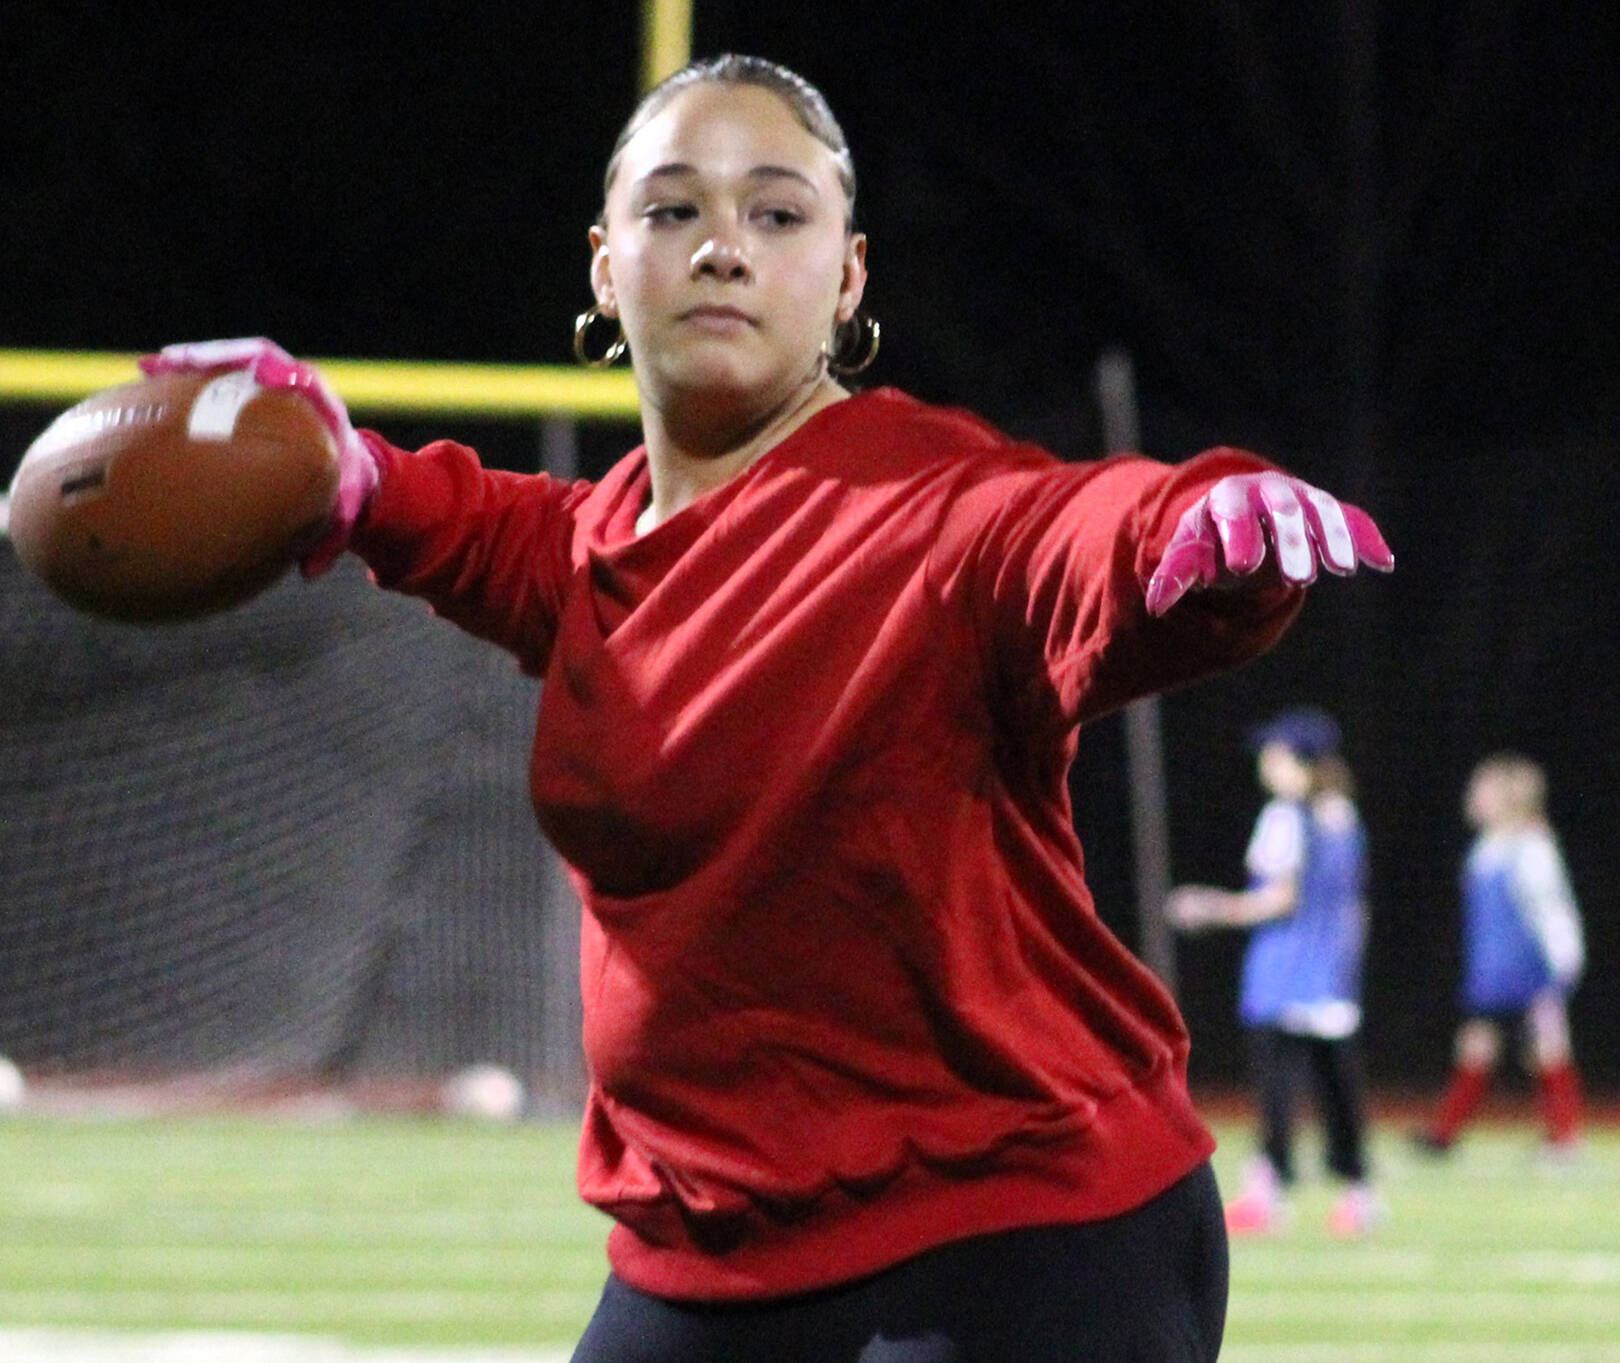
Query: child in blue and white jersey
[[1300, 997], [1523, 953]]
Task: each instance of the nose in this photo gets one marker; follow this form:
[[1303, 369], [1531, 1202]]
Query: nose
[[720, 257]]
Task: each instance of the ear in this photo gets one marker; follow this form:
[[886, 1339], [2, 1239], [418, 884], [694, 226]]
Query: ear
[[602, 272], [853, 284]]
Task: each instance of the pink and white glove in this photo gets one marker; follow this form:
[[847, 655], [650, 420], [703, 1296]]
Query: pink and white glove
[[1222, 537], [273, 367]]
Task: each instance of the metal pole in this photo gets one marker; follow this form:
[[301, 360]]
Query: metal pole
[[1150, 831], [1144, 747], [559, 448]]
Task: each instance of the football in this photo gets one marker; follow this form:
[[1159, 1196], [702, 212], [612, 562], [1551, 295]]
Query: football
[[173, 497]]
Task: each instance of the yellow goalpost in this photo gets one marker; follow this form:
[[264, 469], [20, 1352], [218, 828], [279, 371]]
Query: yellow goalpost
[[416, 387]]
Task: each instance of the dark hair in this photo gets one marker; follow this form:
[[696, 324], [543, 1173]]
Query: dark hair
[[807, 103], [1331, 774], [1306, 731]]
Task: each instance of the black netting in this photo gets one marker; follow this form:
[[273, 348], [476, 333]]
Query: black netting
[[293, 836]]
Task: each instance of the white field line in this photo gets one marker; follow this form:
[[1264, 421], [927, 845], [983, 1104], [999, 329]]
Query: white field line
[[1362, 1309], [224, 1309], [1409, 1352], [218, 1346], [1573, 1269], [76, 1346]]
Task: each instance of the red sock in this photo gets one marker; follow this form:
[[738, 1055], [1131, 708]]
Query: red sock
[[1462, 1096], [1560, 1089]]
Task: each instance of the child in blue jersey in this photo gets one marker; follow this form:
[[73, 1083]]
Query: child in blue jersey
[[1300, 997], [1523, 953]]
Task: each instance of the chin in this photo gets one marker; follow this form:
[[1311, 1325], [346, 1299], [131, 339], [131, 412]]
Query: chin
[[717, 378]]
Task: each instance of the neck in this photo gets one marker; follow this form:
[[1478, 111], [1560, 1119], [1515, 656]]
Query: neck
[[694, 447]]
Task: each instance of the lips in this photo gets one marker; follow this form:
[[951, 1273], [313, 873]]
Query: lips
[[717, 314]]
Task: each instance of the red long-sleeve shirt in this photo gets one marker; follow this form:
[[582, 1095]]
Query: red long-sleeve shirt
[[804, 748]]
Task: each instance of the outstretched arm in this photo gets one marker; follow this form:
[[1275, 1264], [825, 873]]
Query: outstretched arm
[[272, 367], [487, 548], [1192, 907], [1222, 538]]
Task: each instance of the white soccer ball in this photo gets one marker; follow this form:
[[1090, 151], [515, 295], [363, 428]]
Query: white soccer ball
[[12, 1086], [486, 1092]]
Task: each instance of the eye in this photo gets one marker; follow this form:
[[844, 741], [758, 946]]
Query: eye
[[780, 217], [660, 214]]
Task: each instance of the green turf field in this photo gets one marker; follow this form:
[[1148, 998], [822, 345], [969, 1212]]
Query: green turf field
[[406, 1232]]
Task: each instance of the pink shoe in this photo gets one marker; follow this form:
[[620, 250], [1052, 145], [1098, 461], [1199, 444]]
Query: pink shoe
[[1253, 1214], [1259, 1209], [1356, 1213]]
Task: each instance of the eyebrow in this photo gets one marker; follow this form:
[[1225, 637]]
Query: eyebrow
[[766, 172]]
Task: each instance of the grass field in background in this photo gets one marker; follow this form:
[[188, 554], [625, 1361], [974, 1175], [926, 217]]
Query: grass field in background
[[379, 1230], [413, 1232], [1488, 1256]]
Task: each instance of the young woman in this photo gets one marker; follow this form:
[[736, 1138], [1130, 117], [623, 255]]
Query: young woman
[[1523, 953], [1300, 998], [869, 1079]]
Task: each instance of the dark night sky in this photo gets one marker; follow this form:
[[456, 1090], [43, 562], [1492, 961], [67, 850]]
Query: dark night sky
[[1406, 286], [415, 181]]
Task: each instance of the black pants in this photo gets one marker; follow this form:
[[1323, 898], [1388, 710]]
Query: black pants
[[1282, 1063], [1146, 1287]]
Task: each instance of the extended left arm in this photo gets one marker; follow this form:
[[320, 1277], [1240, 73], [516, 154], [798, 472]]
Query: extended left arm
[[1192, 907], [1070, 572]]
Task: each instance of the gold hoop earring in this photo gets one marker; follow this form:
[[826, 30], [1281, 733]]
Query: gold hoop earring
[[582, 326], [855, 344]]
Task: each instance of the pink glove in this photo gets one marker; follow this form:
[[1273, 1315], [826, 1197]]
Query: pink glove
[[1222, 536], [273, 367]]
